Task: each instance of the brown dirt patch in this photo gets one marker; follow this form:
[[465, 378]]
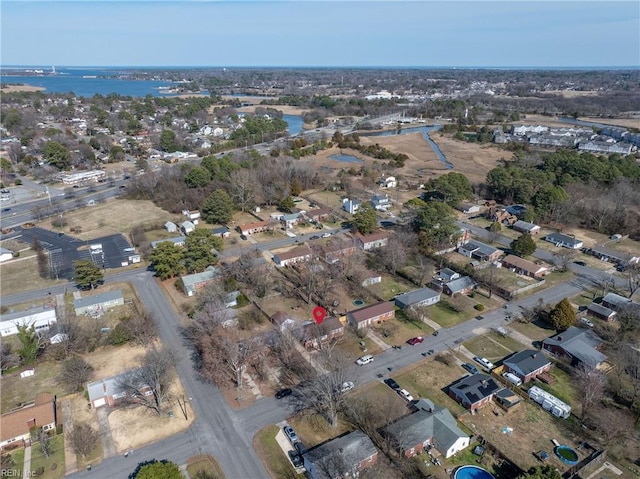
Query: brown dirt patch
[[137, 427], [625, 122], [285, 109], [15, 88], [112, 360], [114, 216]]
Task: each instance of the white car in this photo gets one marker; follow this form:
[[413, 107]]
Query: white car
[[346, 386], [364, 360], [587, 322], [485, 362], [405, 394], [326, 235]]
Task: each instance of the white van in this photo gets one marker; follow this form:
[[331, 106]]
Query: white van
[[364, 360], [512, 378]]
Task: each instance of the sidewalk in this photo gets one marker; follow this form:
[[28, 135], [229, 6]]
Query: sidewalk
[[373, 337], [305, 354], [70, 458], [26, 471]]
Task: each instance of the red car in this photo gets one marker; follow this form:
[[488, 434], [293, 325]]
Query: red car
[[416, 340]]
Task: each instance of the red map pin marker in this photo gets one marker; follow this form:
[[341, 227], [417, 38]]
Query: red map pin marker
[[319, 313]]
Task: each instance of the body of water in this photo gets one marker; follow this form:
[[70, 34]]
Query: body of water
[[346, 158], [88, 82], [295, 123], [592, 124], [425, 130]]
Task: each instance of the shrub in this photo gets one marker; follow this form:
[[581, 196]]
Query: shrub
[[479, 307]]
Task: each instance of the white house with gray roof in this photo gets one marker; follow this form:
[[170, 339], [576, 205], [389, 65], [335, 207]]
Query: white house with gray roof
[[431, 425], [417, 298], [41, 318], [563, 240], [98, 303], [178, 241]]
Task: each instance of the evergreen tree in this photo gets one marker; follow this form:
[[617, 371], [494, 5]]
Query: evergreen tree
[[524, 245], [199, 176], [157, 470], [365, 219], [287, 204], [167, 260], [57, 155], [199, 250], [217, 208], [87, 273], [30, 343], [562, 315]]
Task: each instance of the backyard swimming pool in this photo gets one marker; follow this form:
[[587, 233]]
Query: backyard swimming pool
[[472, 472]]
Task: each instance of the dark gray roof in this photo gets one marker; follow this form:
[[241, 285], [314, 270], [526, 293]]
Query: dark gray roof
[[479, 248], [524, 225], [579, 343], [460, 284], [527, 361], [601, 310], [561, 238], [617, 300], [220, 230], [413, 297], [475, 387], [431, 422], [340, 455]]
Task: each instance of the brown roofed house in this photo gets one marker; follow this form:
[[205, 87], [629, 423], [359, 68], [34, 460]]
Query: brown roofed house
[[363, 317], [255, 227], [301, 253], [525, 267], [371, 241], [15, 426], [314, 335]]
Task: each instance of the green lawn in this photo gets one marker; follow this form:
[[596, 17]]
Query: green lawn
[[18, 461], [508, 342], [390, 286], [563, 387], [534, 331], [400, 329], [487, 347], [204, 463], [349, 344], [446, 316], [54, 464], [17, 390], [272, 455]]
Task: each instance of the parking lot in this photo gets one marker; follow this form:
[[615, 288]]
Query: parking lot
[[64, 249]]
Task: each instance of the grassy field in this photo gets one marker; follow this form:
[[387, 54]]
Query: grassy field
[[204, 463], [349, 345], [487, 347], [17, 390], [271, 454], [54, 464], [400, 329], [537, 331], [18, 461], [390, 286], [314, 429], [21, 275], [446, 316]]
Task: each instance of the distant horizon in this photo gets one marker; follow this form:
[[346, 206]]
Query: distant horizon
[[516, 34]]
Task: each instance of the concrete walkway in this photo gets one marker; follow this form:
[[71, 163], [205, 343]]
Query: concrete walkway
[[305, 354], [70, 458], [183, 470], [108, 446], [373, 337], [248, 380], [431, 323], [26, 469]]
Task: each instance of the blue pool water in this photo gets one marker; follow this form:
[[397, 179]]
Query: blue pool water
[[346, 158], [472, 472]]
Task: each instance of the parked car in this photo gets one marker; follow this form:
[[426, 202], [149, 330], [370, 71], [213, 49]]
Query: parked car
[[300, 449], [296, 459], [416, 340], [314, 237], [291, 434], [405, 394], [346, 386], [471, 368], [580, 263], [391, 383], [485, 362], [479, 318], [587, 322], [243, 237], [284, 393], [326, 235], [512, 378], [366, 359], [435, 333]]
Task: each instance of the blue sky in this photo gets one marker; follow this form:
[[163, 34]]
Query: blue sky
[[321, 33]]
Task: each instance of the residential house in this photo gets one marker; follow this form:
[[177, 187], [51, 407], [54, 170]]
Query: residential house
[[479, 251], [417, 298], [108, 391], [192, 216], [613, 256], [506, 399], [474, 391], [563, 240], [283, 321], [462, 285], [295, 255], [171, 227], [16, 426], [98, 303], [577, 345], [187, 227], [617, 303], [522, 130], [192, 283], [351, 206], [314, 335], [501, 216], [371, 241], [430, 426], [525, 267], [527, 364], [368, 315], [222, 232], [318, 215], [178, 241], [41, 318], [337, 250], [342, 457], [290, 220], [447, 275], [5, 254], [252, 228], [380, 202], [468, 208], [601, 312], [525, 227], [388, 182]]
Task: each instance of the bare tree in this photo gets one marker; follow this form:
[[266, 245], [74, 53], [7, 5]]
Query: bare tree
[[564, 257], [632, 275], [149, 385], [8, 359], [141, 327], [293, 367], [242, 186], [591, 384], [76, 372], [611, 423], [84, 439], [44, 440]]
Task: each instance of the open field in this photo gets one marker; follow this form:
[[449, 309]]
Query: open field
[[17, 390], [114, 216], [6, 88], [314, 429], [349, 345], [624, 122], [487, 347], [390, 286], [400, 329], [21, 274], [536, 331]]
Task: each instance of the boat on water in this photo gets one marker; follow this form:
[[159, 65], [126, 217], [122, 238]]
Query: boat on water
[[89, 76]]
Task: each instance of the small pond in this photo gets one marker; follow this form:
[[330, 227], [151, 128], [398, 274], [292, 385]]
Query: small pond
[[346, 158]]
